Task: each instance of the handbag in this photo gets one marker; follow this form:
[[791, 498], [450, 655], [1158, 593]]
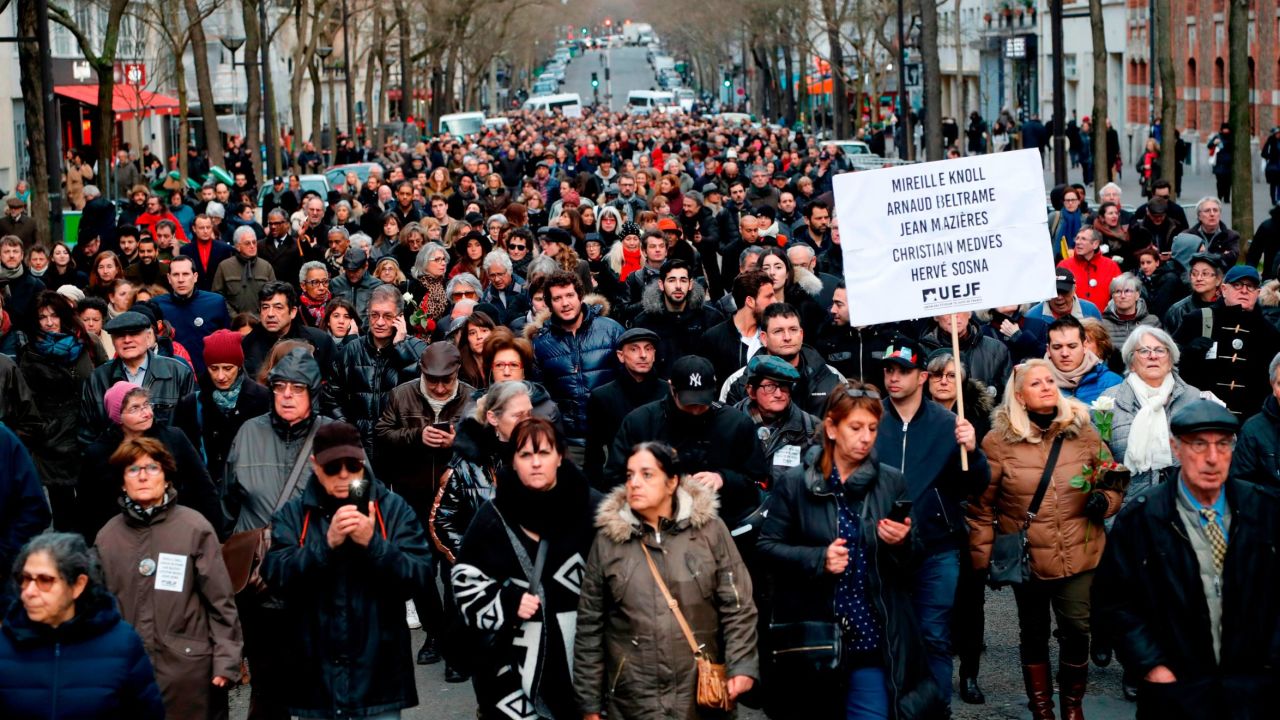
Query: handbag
[[244, 552], [713, 682], [811, 646], [1010, 564]]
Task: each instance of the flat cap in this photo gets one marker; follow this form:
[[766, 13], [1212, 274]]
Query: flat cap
[[440, 359], [772, 368], [637, 335], [1200, 415], [127, 323]]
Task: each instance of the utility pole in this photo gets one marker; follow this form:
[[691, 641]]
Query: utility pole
[[350, 80], [1060, 98], [52, 129], [904, 109]]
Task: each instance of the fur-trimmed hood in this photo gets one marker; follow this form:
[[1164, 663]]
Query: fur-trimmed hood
[[696, 506], [1269, 295], [808, 282], [534, 326], [1072, 419], [651, 301]]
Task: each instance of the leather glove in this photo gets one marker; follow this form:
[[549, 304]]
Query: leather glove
[[1095, 508], [1197, 347]]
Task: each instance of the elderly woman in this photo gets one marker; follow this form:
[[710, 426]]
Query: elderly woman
[[1127, 310], [1037, 428], [543, 508], [129, 408], [64, 649], [427, 284], [1150, 394], [190, 630], [842, 572], [659, 528]]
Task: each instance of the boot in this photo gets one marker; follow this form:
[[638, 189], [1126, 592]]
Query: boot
[[1039, 690], [1072, 680], [428, 654], [970, 692]]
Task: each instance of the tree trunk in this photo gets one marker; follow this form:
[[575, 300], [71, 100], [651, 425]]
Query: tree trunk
[[39, 128], [962, 85], [932, 114], [204, 85], [371, 66], [406, 61], [1241, 124], [253, 77], [789, 67], [1168, 92], [184, 122], [317, 91], [839, 96], [1101, 173]]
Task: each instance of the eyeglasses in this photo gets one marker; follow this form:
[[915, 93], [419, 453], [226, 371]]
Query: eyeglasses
[[1244, 287], [1203, 275], [1159, 351], [133, 471], [317, 282], [773, 389], [860, 392], [464, 294], [507, 366], [1125, 291], [138, 409], [334, 467], [44, 583], [289, 388], [1200, 446]]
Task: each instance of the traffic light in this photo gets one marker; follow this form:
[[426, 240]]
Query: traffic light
[[595, 81], [584, 32], [728, 80], [608, 22]]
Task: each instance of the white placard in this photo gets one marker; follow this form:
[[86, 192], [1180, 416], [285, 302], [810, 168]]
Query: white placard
[[573, 111], [171, 572], [932, 238]]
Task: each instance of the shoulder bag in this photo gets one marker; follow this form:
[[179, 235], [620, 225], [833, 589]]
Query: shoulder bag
[[1010, 564], [244, 551], [713, 682]]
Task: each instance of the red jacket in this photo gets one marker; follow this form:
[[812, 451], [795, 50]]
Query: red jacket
[[1093, 278]]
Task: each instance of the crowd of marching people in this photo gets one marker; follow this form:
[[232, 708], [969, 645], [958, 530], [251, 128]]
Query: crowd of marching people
[[581, 399]]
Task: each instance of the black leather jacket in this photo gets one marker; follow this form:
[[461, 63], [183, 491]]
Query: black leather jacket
[[363, 375], [478, 456]]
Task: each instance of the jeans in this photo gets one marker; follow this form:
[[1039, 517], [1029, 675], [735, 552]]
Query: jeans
[[868, 695], [933, 597]]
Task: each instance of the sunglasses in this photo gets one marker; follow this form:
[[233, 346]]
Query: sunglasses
[[334, 467], [859, 393], [44, 583], [517, 247]]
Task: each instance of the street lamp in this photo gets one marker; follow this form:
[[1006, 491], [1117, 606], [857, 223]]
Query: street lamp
[[233, 43]]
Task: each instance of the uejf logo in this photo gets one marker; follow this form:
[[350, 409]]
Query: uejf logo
[[949, 292]]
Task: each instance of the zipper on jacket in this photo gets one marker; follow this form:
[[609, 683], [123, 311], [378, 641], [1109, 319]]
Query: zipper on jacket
[[613, 687], [737, 600], [803, 648], [57, 667], [903, 469]]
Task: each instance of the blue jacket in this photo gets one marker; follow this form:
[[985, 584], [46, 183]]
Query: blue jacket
[[1093, 384], [92, 666], [193, 319], [574, 364], [926, 453], [23, 510]]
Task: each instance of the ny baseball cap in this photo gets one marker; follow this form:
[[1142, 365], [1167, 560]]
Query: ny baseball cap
[[693, 379]]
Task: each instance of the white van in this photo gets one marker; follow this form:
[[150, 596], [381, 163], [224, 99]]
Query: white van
[[462, 124], [561, 101], [643, 102]]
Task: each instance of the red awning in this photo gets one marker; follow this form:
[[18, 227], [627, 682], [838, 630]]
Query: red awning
[[128, 102]]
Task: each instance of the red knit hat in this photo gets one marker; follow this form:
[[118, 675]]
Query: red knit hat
[[223, 348]]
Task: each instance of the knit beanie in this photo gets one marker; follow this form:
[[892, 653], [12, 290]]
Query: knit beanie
[[223, 348], [113, 401]]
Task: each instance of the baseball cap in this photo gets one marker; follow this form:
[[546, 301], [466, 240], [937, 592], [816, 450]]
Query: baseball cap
[[337, 441], [905, 353], [1242, 272], [667, 224], [440, 359], [1065, 279], [694, 380]]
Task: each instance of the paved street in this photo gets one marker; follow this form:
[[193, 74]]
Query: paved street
[[1001, 678], [629, 71]]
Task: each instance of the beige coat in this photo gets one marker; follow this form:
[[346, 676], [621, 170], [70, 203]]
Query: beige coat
[[74, 179]]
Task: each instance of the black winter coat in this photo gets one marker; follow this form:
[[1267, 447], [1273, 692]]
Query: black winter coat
[[24, 512], [855, 351], [363, 377], [169, 381], [1257, 455], [218, 429], [720, 440], [722, 345], [816, 382], [679, 333], [55, 388], [346, 604], [793, 543], [258, 344], [472, 477], [986, 358], [607, 407], [91, 667], [1148, 597]]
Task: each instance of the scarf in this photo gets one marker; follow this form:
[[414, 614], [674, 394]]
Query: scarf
[[7, 273], [632, 260], [437, 406], [226, 399], [1149, 434], [436, 301], [315, 308], [1071, 224], [39, 273], [1071, 380], [62, 348], [549, 513]]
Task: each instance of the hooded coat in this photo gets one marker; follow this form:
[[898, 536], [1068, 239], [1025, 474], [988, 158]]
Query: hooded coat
[[191, 635], [680, 333], [630, 657], [1063, 542]]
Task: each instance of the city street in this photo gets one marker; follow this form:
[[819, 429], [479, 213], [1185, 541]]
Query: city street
[[629, 71]]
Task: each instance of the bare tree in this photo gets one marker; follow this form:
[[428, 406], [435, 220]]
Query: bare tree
[[1168, 92], [33, 114], [834, 14], [1101, 172], [204, 85], [1241, 123], [104, 66]]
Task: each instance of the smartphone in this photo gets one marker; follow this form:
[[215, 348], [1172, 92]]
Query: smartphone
[[358, 495], [443, 427], [900, 511]]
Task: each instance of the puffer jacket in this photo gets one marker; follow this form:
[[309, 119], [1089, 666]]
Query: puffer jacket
[[55, 388], [680, 333], [169, 381], [1119, 329], [574, 364], [1063, 542], [92, 667], [793, 543], [413, 470], [478, 457], [785, 441], [345, 605], [191, 635], [1127, 406], [363, 377], [1257, 455], [630, 657]]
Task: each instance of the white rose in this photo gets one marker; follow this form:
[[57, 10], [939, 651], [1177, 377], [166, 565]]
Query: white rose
[[407, 297], [1104, 404]]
